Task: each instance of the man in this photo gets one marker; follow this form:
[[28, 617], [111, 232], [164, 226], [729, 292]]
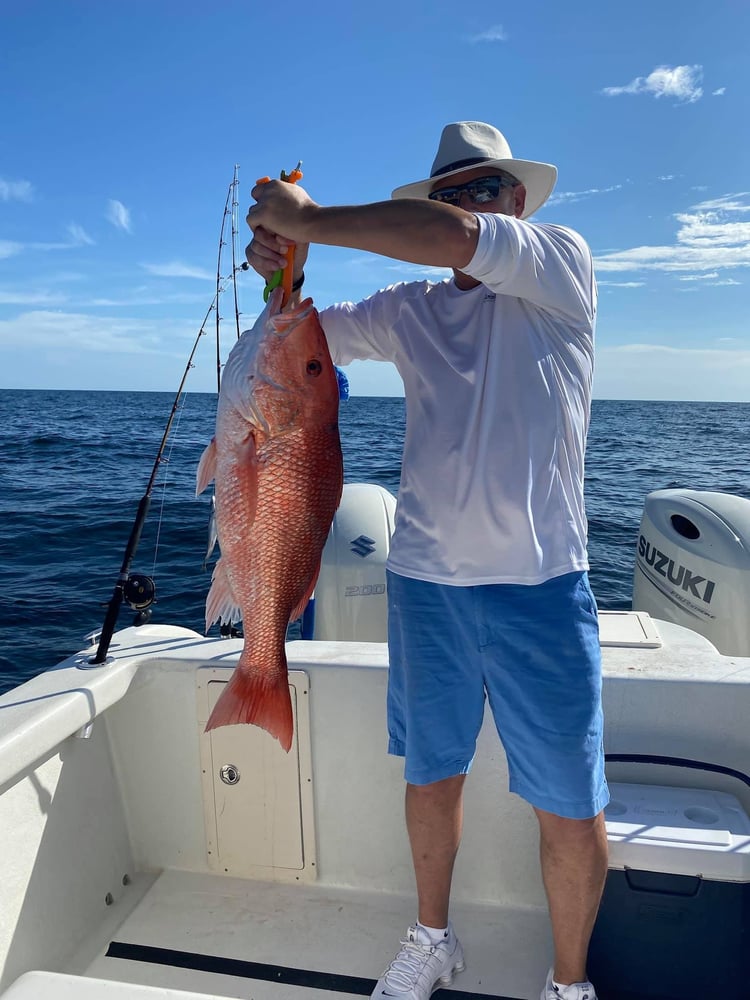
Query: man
[[487, 586]]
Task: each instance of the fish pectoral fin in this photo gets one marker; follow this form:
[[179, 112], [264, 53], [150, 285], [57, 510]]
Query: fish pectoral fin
[[213, 537], [221, 602], [206, 468], [247, 460], [297, 612]]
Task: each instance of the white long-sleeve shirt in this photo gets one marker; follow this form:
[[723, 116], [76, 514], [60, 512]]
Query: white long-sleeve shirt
[[498, 390]]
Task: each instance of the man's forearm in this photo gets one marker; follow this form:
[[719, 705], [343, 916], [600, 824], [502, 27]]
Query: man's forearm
[[413, 230]]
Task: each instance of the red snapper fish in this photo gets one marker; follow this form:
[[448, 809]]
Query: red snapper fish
[[276, 460]]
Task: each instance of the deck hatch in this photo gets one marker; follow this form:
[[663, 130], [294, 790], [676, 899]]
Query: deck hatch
[[258, 800]]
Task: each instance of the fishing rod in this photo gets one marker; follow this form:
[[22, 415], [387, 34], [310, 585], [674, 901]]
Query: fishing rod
[[226, 627], [235, 232], [135, 588], [232, 212], [218, 283]]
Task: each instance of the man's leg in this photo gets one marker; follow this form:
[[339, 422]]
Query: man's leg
[[434, 817], [574, 867]]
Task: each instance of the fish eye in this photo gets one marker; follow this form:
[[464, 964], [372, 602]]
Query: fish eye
[[314, 367]]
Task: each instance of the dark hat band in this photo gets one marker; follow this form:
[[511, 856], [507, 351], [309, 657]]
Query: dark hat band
[[458, 164]]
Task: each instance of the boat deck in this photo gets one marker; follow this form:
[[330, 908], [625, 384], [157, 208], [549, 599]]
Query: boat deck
[[226, 937], [139, 868]]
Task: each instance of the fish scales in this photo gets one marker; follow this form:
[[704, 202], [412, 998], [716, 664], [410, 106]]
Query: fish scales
[[276, 459]]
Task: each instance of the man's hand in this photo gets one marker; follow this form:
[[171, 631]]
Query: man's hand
[[266, 253], [277, 221], [282, 208]]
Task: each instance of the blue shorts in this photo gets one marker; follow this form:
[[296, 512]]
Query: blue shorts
[[534, 651]]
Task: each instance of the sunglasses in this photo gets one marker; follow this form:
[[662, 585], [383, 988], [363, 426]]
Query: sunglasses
[[480, 191]]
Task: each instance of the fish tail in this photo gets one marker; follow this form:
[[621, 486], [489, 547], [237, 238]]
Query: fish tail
[[256, 698]]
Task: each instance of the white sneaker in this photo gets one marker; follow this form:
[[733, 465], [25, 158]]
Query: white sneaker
[[576, 991], [421, 967]]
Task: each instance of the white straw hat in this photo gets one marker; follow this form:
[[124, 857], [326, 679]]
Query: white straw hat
[[472, 144]]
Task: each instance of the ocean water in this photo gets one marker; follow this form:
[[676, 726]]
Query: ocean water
[[73, 466]]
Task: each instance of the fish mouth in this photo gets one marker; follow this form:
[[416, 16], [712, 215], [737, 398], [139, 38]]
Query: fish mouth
[[282, 320]]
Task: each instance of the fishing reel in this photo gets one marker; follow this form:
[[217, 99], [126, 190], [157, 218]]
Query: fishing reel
[[140, 593], [227, 630]]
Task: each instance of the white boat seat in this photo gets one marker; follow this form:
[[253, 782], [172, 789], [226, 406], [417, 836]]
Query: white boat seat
[[58, 986]]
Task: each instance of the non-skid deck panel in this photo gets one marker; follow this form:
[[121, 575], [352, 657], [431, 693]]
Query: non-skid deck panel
[[231, 937]]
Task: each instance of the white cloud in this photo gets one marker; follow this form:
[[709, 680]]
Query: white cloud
[[496, 33], [66, 276], [568, 197], [374, 378], [118, 215], [420, 272], [719, 93], [77, 350], [656, 371], [680, 82], [711, 279], [17, 297], [665, 350], [176, 269], [79, 235], [143, 298], [706, 240], [666, 177], [727, 203], [621, 284], [8, 248], [15, 190], [84, 332]]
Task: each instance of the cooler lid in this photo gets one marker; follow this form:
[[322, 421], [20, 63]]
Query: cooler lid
[[678, 831]]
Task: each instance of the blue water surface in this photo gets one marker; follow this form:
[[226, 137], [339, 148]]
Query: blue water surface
[[73, 466]]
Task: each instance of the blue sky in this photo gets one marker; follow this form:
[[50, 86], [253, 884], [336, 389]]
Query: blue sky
[[120, 126]]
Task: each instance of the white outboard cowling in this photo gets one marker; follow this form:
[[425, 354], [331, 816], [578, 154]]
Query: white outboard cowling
[[349, 603], [693, 565]]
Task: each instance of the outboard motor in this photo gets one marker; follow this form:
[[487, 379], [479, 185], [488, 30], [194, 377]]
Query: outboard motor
[[693, 565], [349, 603]]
